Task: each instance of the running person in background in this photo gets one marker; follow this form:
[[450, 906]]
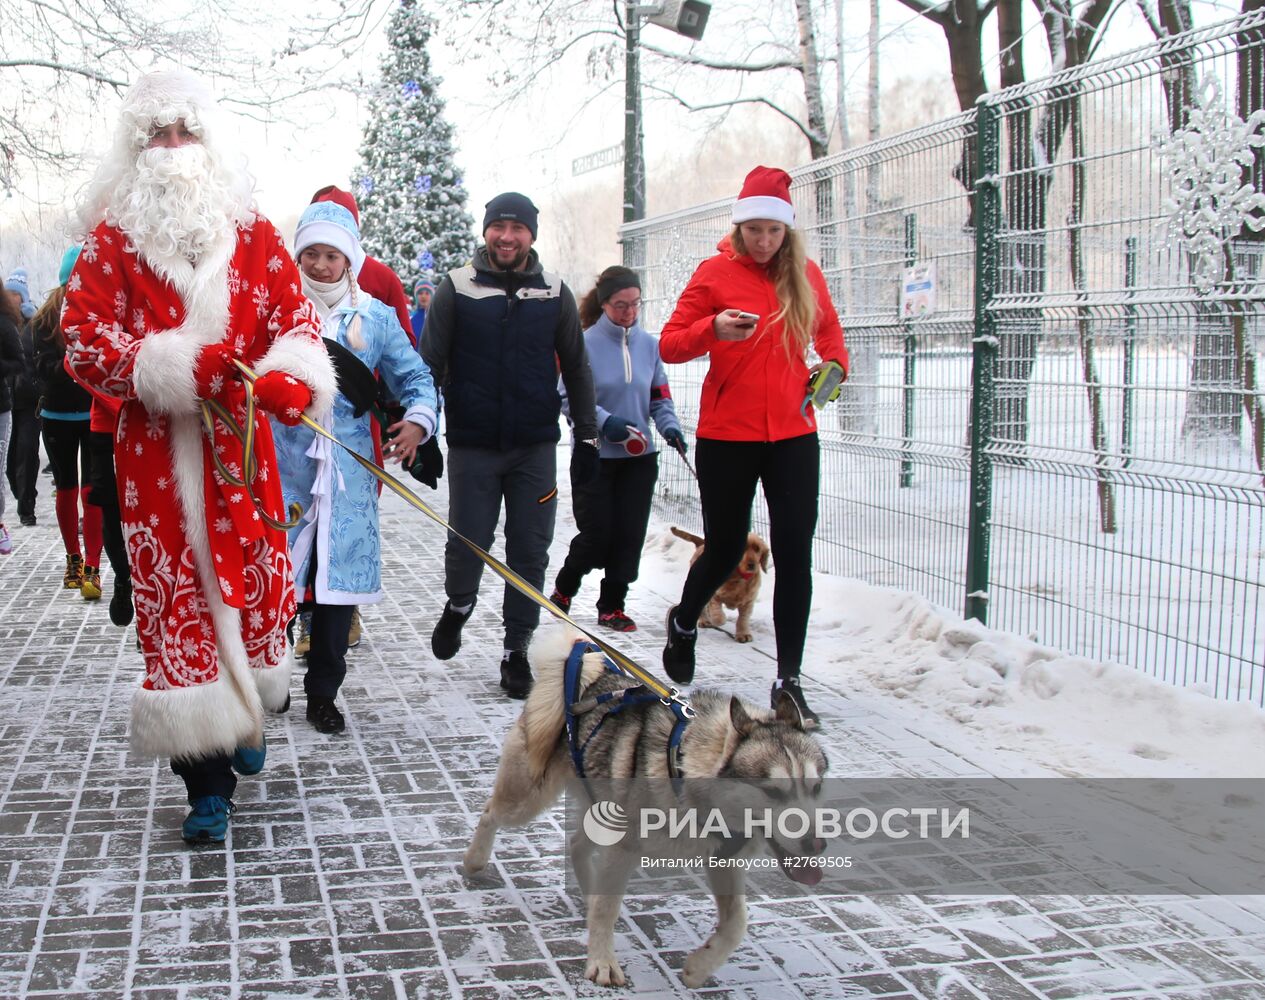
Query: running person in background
[[752, 428], [612, 513], [336, 547], [65, 416]]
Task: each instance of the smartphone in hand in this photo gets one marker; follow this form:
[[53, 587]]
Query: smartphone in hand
[[747, 317]]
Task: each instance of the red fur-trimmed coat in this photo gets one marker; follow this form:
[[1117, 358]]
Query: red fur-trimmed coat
[[212, 582]]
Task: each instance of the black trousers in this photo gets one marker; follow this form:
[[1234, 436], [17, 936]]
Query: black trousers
[[207, 776], [612, 514], [728, 472], [23, 465], [66, 442], [327, 656], [105, 494]]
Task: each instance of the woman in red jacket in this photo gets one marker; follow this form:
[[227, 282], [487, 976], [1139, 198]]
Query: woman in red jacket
[[754, 308]]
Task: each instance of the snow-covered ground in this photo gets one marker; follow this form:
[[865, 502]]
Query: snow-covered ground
[[1008, 704]]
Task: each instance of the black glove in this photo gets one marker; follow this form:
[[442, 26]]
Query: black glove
[[428, 463], [616, 428], [355, 379], [676, 439], [586, 464]]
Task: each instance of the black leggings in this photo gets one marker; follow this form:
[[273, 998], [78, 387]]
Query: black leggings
[[727, 475], [66, 442]]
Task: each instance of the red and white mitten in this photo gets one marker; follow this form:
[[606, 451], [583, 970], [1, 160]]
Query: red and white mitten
[[214, 370], [282, 395]]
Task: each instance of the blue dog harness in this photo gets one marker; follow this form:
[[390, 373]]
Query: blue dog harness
[[616, 701]]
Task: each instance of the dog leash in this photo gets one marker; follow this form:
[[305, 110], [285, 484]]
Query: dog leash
[[679, 448], [670, 696]]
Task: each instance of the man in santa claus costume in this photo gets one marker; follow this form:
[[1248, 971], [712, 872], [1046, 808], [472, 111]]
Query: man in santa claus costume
[[179, 275]]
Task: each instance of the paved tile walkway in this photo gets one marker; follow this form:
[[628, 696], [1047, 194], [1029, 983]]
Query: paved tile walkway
[[341, 874]]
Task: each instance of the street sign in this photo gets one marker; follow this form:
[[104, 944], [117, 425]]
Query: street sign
[[595, 161]]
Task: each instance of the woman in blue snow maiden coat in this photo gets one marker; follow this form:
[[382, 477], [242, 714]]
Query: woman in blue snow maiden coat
[[632, 389], [335, 548]]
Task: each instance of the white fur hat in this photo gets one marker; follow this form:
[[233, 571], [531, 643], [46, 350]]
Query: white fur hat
[[157, 99], [329, 223]]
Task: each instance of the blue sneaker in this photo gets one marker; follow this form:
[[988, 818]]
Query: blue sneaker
[[250, 760], [207, 820]]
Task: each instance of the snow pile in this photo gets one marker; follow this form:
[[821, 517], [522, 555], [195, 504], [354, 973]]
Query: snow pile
[[1000, 700]]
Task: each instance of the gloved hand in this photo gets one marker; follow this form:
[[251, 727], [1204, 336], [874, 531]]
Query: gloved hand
[[282, 395], [214, 370], [616, 428], [586, 464], [676, 439], [428, 463]]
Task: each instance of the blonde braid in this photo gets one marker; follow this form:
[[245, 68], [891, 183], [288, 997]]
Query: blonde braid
[[354, 339]]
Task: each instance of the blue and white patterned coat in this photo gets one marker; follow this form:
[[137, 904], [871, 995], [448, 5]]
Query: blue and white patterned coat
[[339, 498]]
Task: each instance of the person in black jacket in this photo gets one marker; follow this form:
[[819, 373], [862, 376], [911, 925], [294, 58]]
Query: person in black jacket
[[23, 466], [10, 366], [497, 333], [65, 413]]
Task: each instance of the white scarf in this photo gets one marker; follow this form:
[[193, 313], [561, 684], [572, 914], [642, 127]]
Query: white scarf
[[325, 294]]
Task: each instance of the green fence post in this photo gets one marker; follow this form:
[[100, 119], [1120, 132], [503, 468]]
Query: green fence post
[[1130, 339], [911, 349], [984, 362]]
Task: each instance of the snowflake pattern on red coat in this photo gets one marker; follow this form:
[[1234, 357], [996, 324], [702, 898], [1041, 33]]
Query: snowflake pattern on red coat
[[116, 303]]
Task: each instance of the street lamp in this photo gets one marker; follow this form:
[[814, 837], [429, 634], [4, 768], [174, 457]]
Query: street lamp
[[685, 17]]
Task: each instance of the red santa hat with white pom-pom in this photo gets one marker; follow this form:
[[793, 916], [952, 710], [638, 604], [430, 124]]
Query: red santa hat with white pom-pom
[[765, 194]]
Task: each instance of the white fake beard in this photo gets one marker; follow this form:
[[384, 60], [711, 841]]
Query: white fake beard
[[174, 203]]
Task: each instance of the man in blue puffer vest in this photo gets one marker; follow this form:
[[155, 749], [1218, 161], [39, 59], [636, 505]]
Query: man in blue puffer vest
[[497, 333]]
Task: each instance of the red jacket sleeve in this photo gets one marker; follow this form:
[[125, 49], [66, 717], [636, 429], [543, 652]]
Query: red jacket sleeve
[[828, 337], [689, 333]]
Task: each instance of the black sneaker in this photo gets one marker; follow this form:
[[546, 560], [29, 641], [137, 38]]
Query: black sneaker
[[324, 715], [678, 653], [121, 609], [789, 688], [446, 639], [516, 674], [560, 601]]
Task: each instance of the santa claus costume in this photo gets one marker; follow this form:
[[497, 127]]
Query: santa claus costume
[[178, 276]]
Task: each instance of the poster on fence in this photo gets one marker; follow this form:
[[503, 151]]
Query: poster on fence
[[918, 291]]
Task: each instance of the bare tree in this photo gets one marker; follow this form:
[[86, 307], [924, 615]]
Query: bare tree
[[59, 58], [1031, 145], [747, 65]]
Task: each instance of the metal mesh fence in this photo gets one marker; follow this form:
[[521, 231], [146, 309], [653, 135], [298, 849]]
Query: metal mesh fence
[[1121, 461]]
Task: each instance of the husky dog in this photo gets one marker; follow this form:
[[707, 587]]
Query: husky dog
[[728, 739]]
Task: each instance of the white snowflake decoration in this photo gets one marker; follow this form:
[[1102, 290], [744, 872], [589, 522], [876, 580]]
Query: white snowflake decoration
[[1209, 203]]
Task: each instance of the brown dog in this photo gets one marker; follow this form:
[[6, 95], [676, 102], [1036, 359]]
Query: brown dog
[[740, 590]]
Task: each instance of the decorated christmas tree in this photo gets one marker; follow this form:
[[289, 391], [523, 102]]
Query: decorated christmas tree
[[412, 201]]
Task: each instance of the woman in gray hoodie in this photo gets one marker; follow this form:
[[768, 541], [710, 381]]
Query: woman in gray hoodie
[[632, 389]]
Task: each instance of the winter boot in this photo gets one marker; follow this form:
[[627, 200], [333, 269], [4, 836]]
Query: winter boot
[[207, 821], [121, 609], [91, 586], [250, 760], [445, 641], [616, 620], [560, 601], [678, 652], [324, 715], [73, 577], [788, 687], [516, 674]]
